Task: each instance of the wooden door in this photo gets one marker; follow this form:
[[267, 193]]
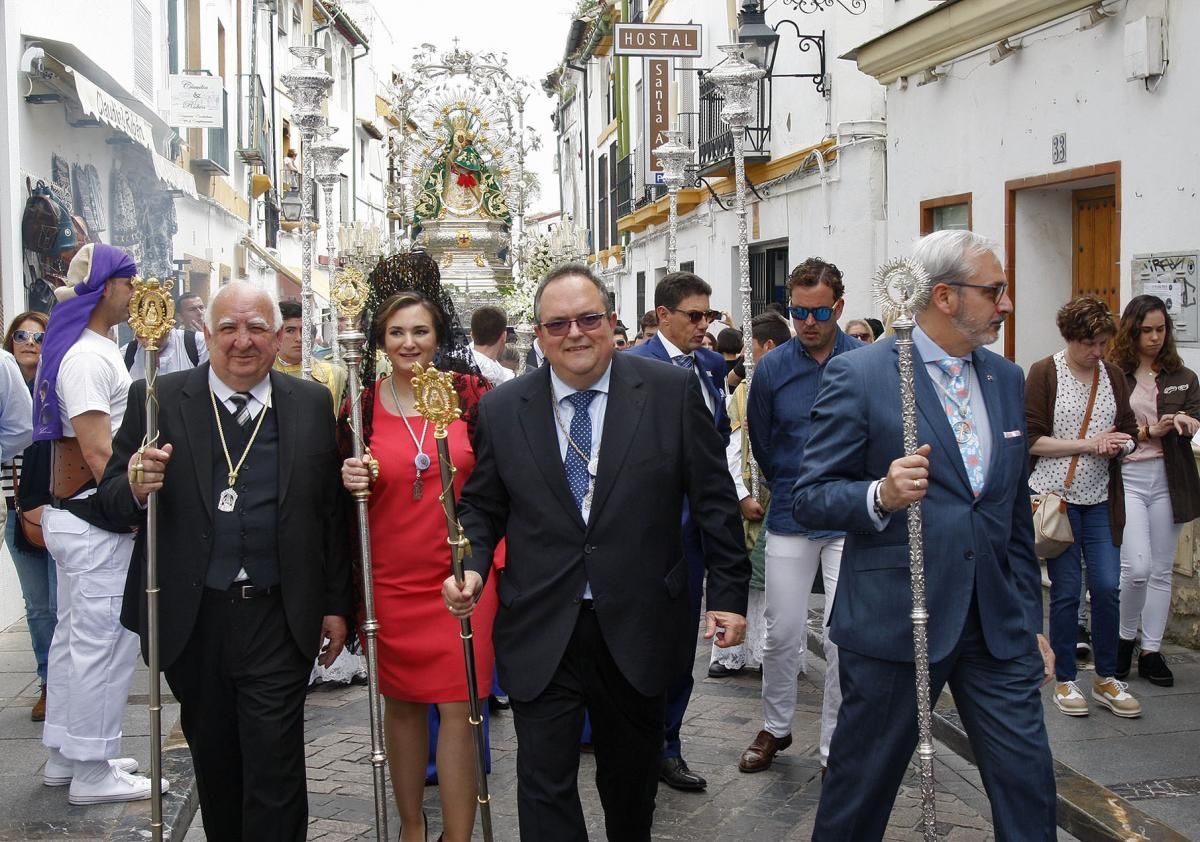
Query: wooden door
[[1095, 269]]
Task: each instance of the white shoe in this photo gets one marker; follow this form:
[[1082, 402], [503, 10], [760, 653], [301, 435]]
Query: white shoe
[[59, 770], [117, 786], [1069, 700]]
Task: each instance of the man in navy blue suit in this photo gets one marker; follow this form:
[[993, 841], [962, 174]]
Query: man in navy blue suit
[[983, 588], [681, 302]]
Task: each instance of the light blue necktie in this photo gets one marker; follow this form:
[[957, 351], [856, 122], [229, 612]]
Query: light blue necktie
[[956, 400], [683, 361], [576, 463]]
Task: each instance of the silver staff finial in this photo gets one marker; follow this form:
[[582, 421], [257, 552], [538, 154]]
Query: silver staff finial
[[901, 288]]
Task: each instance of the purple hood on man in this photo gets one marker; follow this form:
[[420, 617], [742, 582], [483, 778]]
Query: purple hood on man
[[68, 320]]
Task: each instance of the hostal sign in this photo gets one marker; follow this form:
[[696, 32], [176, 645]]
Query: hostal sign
[[657, 44]]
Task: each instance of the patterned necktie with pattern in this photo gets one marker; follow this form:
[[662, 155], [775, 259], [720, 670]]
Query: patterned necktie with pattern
[[956, 400], [241, 403], [683, 361], [579, 446]]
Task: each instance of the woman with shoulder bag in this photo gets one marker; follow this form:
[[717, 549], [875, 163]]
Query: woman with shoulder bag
[[1162, 487], [26, 479], [1080, 427]]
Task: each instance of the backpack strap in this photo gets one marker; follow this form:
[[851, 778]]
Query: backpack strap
[[130, 353], [189, 345]]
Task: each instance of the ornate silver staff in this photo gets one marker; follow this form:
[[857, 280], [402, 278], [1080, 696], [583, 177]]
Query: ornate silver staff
[[435, 398], [151, 316], [901, 288], [348, 295]]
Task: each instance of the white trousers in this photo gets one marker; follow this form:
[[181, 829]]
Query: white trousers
[[1147, 552], [92, 656], [791, 568]]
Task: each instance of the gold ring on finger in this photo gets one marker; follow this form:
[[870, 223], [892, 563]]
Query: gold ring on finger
[[916, 484]]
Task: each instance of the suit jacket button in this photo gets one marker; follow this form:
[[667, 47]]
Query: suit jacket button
[[969, 555], [588, 549]]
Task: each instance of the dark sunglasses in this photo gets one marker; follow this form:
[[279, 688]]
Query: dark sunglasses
[[561, 327], [861, 337], [695, 316], [29, 336], [997, 290], [821, 314]]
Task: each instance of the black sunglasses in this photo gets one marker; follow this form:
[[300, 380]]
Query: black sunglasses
[[561, 327], [29, 336], [695, 316], [821, 314]]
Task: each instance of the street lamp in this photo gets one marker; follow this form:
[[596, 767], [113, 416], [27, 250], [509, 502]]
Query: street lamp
[[760, 40], [307, 85], [326, 155], [290, 205], [674, 155]]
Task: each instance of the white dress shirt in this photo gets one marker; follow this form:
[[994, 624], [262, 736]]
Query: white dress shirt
[[673, 352]]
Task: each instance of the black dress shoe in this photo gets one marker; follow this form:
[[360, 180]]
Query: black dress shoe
[[675, 773], [1153, 667], [719, 670]]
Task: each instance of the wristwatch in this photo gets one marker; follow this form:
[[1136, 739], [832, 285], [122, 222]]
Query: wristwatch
[[880, 511]]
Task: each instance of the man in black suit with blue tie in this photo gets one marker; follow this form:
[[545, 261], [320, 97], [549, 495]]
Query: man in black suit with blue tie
[[584, 466], [681, 302], [983, 586]]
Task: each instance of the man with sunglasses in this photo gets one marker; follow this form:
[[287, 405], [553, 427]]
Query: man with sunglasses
[[983, 585], [681, 303], [583, 468], [781, 398]]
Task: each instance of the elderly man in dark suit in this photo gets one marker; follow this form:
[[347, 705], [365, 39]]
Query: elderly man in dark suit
[[983, 586], [254, 573], [583, 467], [681, 304]]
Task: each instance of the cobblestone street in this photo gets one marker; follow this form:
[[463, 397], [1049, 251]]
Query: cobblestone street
[[723, 718]]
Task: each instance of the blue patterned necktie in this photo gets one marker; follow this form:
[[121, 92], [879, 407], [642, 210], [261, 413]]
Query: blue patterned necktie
[[579, 446], [956, 400], [683, 361]]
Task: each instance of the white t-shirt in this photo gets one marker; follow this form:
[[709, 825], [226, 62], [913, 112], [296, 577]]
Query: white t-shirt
[[92, 377]]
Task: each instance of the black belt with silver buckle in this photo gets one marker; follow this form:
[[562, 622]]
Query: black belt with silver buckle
[[237, 591]]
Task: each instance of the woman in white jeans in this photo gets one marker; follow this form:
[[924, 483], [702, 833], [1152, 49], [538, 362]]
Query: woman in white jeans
[[1162, 488]]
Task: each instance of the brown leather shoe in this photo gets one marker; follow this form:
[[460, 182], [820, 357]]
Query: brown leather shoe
[[38, 714], [758, 757]]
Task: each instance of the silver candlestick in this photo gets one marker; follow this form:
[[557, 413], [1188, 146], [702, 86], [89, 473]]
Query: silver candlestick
[[901, 287], [326, 155], [307, 85], [738, 80], [674, 155]]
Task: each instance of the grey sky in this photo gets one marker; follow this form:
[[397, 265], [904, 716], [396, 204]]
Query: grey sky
[[532, 33]]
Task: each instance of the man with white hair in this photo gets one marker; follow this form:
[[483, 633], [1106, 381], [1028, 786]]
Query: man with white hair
[[983, 586], [247, 468]]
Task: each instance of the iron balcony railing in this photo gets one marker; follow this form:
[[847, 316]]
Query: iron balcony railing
[[716, 139], [254, 126]]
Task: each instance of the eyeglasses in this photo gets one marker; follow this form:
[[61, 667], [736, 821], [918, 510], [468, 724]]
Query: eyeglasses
[[997, 290], [621, 343], [694, 316], [821, 314], [861, 337], [29, 336], [561, 327]]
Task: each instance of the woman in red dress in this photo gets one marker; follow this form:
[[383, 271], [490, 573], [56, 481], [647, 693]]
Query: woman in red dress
[[420, 652]]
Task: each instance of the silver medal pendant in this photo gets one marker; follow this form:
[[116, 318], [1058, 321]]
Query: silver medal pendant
[[421, 460], [962, 431], [593, 467], [227, 500], [587, 498]]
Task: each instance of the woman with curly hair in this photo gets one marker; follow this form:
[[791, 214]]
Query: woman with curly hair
[[1080, 428], [420, 652], [1162, 487]]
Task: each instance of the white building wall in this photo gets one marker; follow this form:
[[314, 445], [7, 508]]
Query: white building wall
[[986, 124]]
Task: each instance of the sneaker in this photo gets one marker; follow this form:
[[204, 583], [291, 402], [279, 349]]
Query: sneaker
[[1114, 695], [1083, 644], [59, 770], [1069, 700], [1152, 666], [1124, 658], [115, 786]]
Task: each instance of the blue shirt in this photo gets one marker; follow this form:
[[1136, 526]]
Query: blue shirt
[[779, 414]]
